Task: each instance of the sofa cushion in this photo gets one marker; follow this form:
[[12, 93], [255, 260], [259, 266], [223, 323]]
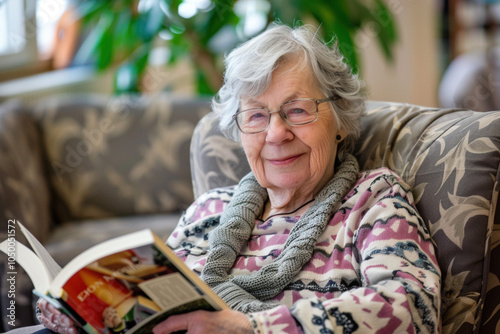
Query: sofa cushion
[[72, 238], [24, 191], [119, 156], [24, 197]]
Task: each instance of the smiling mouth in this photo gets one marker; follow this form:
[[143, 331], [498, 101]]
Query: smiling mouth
[[285, 161]]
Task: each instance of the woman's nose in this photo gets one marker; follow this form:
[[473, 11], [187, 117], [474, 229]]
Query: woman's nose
[[278, 129]]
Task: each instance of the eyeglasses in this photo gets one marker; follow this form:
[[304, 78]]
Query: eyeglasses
[[296, 112]]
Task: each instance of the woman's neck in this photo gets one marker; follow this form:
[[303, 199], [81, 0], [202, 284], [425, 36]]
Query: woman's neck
[[295, 205]]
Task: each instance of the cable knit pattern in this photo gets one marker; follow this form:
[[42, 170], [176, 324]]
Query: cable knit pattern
[[373, 268]]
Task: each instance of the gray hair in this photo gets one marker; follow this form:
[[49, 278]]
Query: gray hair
[[249, 68]]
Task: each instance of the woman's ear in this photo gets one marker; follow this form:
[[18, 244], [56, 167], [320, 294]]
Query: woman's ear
[[341, 134]]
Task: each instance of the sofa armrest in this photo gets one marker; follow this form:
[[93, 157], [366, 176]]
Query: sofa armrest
[[451, 159]]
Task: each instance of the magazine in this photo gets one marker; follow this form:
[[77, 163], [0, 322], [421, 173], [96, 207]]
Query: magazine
[[126, 284]]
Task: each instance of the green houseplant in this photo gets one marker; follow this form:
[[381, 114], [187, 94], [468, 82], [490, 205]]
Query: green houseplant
[[126, 31]]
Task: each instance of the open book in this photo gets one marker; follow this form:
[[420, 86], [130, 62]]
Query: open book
[[126, 284]]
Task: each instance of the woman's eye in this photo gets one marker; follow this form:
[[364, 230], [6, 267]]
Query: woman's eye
[[257, 115], [296, 111], [254, 116]]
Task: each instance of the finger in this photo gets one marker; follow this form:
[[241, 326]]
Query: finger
[[59, 327], [66, 325], [58, 322], [63, 329], [52, 313], [71, 330], [173, 324], [42, 305], [51, 308], [49, 324], [47, 309]]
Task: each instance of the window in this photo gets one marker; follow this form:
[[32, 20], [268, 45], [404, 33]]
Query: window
[[27, 30], [17, 33], [48, 13]]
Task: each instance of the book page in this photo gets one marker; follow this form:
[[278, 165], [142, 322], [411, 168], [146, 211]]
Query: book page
[[211, 296], [33, 266], [170, 290], [51, 265], [106, 248], [120, 290]]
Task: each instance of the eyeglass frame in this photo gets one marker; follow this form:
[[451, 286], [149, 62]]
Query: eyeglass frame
[[282, 115]]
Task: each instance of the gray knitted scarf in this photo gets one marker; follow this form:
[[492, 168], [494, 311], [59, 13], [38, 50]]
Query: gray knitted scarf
[[247, 293]]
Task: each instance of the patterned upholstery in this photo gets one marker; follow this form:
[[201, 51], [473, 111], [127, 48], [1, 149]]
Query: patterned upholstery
[[451, 159], [80, 169], [105, 158]]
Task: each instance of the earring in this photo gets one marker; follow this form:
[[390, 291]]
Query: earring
[[339, 138]]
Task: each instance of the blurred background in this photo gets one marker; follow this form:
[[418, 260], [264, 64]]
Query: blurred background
[[427, 52]]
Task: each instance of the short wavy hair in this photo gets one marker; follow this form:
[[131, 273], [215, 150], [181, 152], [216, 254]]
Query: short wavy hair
[[249, 68]]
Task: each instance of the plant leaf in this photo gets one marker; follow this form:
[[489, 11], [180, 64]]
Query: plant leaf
[[90, 50], [202, 85], [90, 11], [140, 57], [126, 79], [105, 46], [118, 31], [154, 21], [214, 20], [383, 22], [346, 45], [287, 12]]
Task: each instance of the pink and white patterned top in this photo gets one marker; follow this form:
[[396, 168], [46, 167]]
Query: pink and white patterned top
[[374, 268]]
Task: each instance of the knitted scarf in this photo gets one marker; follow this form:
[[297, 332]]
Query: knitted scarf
[[247, 293]]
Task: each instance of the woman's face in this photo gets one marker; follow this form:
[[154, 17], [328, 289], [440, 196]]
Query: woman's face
[[292, 158]]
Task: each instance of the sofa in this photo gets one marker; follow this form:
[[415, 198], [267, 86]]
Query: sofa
[[79, 169], [450, 158]]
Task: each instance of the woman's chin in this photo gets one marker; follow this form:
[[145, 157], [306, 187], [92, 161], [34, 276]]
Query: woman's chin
[[289, 181]]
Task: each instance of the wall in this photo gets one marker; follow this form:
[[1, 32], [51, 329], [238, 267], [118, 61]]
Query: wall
[[414, 75]]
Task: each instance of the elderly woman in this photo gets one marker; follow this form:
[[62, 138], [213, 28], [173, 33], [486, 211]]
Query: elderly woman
[[305, 243]]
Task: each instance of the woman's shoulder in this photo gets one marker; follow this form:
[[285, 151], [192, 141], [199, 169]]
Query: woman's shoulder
[[222, 193], [201, 216], [210, 203], [381, 174], [381, 179], [374, 187]]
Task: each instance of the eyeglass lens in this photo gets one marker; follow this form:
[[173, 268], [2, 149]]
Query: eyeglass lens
[[294, 113]]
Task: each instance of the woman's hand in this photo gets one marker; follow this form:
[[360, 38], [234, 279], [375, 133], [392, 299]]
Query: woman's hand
[[54, 320], [199, 322]]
